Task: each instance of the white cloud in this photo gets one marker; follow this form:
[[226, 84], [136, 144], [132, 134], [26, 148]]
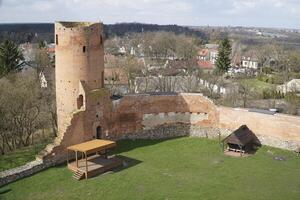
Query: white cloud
[[188, 12]]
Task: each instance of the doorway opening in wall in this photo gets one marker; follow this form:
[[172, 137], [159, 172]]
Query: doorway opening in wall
[[98, 132], [80, 101]]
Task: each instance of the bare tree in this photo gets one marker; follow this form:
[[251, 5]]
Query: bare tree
[[212, 83], [245, 92], [22, 110], [165, 83], [41, 59], [132, 68]]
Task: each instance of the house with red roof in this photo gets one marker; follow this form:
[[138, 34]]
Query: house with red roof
[[205, 65]]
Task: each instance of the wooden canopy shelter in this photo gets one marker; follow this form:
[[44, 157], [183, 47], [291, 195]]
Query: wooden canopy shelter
[[93, 160], [242, 140]]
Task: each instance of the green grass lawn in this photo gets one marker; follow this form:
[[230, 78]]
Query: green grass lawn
[[21, 156], [182, 168], [257, 85]]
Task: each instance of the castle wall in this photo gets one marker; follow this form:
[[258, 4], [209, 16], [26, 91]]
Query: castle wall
[[277, 130], [150, 116], [134, 113]]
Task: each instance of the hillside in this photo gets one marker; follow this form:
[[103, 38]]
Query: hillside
[[30, 32]]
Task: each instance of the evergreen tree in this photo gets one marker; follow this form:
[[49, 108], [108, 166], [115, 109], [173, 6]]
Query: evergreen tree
[[11, 58], [42, 44], [223, 61]]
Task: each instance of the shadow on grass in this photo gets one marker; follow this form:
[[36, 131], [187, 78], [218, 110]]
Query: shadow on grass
[[4, 190], [128, 145], [127, 163]]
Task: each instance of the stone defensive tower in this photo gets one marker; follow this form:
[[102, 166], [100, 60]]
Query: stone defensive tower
[[79, 58]]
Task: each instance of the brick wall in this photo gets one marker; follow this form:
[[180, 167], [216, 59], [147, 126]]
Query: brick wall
[[279, 130], [137, 112]]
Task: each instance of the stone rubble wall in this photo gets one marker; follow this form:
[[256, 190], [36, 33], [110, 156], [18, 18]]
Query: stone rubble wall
[[153, 120], [160, 132], [172, 131], [26, 170]]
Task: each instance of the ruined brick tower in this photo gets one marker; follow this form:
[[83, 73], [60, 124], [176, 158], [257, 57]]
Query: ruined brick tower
[[79, 58], [81, 98]]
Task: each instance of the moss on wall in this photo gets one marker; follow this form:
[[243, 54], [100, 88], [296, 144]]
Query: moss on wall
[[96, 94]]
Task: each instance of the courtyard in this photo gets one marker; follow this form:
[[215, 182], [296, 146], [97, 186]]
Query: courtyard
[[181, 168]]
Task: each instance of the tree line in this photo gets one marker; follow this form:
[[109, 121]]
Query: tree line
[[27, 110], [21, 33]]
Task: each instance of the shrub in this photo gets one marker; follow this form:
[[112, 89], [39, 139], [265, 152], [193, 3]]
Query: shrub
[[272, 94], [293, 99], [265, 78], [267, 70], [278, 79]]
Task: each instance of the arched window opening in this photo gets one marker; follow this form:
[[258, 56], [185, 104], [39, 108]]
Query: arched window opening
[[79, 101], [102, 79], [56, 39], [83, 49], [101, 39]]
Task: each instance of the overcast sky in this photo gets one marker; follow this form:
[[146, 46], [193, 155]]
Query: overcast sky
[[262, 13]]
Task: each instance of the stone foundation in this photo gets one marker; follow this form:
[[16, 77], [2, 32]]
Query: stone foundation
[[153, 120], [171, 131], [179, 130], [26, 170], [160, 132]]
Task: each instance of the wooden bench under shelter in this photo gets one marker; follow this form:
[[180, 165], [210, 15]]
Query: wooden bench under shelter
[[93, 159], [242, 141]]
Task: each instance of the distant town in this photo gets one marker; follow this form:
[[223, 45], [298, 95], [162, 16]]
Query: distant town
[[140, 58]]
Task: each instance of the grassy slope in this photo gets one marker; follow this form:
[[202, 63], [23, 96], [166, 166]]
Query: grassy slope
[[184, 168], [21, 156], [257, 85]]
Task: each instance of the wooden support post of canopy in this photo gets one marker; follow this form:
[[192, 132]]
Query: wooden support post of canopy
[[94, 164], [76, 159], [86, 166]]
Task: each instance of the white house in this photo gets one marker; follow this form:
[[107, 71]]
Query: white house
[[213, 52], [291, 86], [132, 51], [122, 50], [248, 62]]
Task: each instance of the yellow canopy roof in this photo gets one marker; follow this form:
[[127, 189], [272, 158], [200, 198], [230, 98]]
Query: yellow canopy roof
[[93, 146]]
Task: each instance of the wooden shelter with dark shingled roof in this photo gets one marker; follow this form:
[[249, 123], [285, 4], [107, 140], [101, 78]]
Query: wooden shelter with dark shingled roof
[[242, 140]]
